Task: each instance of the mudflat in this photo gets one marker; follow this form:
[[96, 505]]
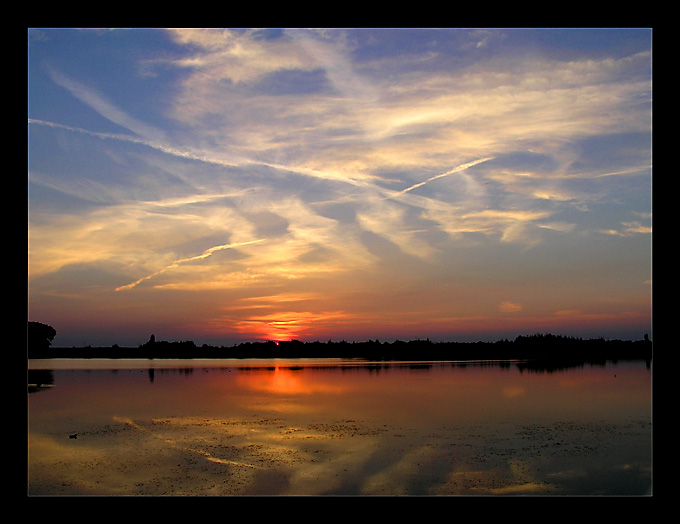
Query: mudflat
[[211, 456]]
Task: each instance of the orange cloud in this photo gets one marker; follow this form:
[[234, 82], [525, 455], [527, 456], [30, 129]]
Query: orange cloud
[[288, 325], [509, 307]]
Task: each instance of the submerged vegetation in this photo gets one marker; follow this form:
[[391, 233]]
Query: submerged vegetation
[[538, 346]]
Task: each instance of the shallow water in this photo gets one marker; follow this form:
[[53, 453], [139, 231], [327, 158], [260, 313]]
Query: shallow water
[[337, 427]]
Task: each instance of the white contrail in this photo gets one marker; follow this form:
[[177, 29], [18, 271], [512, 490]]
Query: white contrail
[[232, 161], [102, 106], [458, 169], [182, 153], [224, 161], [176, 263]]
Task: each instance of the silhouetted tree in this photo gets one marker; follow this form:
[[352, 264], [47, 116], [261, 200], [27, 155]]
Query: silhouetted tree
[[39, 336]]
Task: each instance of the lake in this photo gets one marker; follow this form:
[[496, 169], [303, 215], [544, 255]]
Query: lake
[[338, 427]]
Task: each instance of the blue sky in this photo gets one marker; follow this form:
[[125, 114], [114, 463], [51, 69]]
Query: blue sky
[[224, 185]]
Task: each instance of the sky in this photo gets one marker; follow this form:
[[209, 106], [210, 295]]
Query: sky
[[231, 185]]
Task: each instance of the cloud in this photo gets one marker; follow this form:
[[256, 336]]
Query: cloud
[[237, 56], [390, 221], [509, 307], [331, 54], [629, 229], [286, 325], [507, 225], [418, 123], [292, 156]]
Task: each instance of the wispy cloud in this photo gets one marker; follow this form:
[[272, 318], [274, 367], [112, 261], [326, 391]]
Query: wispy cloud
[[629, 229], [237, 56], [294, 156]]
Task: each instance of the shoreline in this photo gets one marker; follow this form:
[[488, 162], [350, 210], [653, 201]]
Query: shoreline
[[536, 347]]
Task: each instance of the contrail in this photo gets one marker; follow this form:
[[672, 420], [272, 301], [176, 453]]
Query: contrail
[[224, 161], [458, 169], [182, 153], [241, 161], [176, 263]]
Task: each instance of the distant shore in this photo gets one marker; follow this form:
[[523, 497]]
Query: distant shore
[[551, 347]]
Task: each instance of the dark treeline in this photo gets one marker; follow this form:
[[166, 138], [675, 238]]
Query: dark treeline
[[538, 346]]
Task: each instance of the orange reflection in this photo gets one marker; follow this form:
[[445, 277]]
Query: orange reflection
[[285, 381]]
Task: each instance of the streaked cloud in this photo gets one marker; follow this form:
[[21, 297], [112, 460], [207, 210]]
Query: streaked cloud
[[267, 162], [628, 229]]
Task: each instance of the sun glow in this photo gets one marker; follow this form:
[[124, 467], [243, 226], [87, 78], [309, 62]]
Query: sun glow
[[288, 325]]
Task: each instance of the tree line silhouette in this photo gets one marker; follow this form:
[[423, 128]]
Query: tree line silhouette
[[523, 347]]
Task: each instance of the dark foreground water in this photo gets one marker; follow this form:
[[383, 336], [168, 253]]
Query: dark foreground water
[[337, 427]]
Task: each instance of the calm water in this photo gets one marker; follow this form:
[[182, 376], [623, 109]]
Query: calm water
[[304, 427]]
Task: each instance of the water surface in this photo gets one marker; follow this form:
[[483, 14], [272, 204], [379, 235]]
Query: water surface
[[337, 427]]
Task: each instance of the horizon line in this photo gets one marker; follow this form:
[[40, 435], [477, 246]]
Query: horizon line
[[644, 338]]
